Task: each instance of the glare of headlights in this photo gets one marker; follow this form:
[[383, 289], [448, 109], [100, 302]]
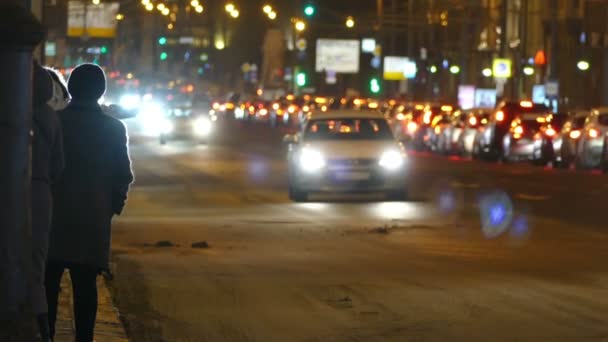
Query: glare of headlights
[[152, 110], [311, 160], [202, 126], [165, 126], [130, 101], [391, 160]]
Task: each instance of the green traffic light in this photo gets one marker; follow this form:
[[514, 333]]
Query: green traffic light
[[374, 86], [163, 56], [301, 79], [309, 10], [103, 50], [162, 40]]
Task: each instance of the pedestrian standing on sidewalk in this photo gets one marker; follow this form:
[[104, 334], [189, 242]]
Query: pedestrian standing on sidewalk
[[91, 190], [47, 164]]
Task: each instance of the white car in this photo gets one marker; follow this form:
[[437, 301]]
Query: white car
[[346, 151]]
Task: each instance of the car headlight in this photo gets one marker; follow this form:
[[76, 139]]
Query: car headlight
[[151, 110], [202, 126], [311, 160], [391, 160], [130, 101]]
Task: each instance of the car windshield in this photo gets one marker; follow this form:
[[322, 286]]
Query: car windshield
[[348, 129], [579, 122]]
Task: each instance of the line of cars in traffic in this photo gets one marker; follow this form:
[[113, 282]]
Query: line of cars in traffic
[[513, 131], [360, 145]]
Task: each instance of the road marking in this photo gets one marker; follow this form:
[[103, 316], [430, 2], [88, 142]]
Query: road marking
[[529, 197]]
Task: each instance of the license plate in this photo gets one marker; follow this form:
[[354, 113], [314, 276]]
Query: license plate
[[353, 176]]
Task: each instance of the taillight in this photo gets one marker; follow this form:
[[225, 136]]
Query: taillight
[[412, 127], [593, 133], [427, 117], [518, 131], [472, 121], [500, 116], [575, 134], [550, 132]]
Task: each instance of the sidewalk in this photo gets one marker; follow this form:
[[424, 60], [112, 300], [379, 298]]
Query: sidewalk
[[108, 328]]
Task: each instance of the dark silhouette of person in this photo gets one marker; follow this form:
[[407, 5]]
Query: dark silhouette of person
[[47, 164], [91, 190]]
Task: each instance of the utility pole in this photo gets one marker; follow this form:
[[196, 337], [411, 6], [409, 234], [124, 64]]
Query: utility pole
[[20, 32]]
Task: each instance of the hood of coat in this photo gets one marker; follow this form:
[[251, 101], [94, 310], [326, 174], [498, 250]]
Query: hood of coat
[[42, 85]]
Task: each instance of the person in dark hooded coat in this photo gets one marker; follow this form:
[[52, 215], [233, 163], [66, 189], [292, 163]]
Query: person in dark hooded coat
[[91, 190], [47, 164]]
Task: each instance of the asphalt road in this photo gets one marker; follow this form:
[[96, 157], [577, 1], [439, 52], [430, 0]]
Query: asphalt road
[[481, 252]]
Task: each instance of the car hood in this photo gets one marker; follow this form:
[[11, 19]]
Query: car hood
[[363, 149]]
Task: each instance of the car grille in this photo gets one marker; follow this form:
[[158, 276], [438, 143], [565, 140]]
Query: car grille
[[351, 163]]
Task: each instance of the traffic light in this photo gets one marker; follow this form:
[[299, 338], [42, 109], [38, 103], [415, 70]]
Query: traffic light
[[103, 50], [164, 56], [301, 79], [162, 40], [309, 10], [374, 86]]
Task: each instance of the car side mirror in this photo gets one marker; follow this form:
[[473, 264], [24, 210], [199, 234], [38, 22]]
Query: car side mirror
[[290, 139], [118, 112]]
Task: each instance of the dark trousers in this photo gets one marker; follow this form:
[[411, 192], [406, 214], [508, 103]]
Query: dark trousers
[[84, 287]]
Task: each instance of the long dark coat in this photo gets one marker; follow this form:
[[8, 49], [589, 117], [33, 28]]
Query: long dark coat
[[93, 187], [47, 164]]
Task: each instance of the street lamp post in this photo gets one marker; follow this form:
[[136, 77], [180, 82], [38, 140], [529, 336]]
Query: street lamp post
[[20, 32]]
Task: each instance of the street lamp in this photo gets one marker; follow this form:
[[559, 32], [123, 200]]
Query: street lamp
[[272, 15], [486, 72], [219, 44], [235, 14], [267, 9], [528, 71], [166, 11], [194, 3], [230, 7], [582, 65], [96, 2], [454, 69], [433, 69], [350, 22], [149, 7], [120, 16], [300, 26], [199, 9], [160, 7], [145, 2]]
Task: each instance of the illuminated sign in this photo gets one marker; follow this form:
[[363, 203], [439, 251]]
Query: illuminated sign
[[501, 68]]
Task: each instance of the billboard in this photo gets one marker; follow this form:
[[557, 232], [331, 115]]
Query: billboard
[[398, 68], [466, 96], [338, 55], [485, 98], [99, 20]]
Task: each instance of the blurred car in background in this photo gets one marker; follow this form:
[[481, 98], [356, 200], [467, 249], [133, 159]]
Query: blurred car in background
[[491, 143], [548, 140], [518, 141], [476, 120], [592, 149], [448, 134], [570, 135], [424, 134]]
